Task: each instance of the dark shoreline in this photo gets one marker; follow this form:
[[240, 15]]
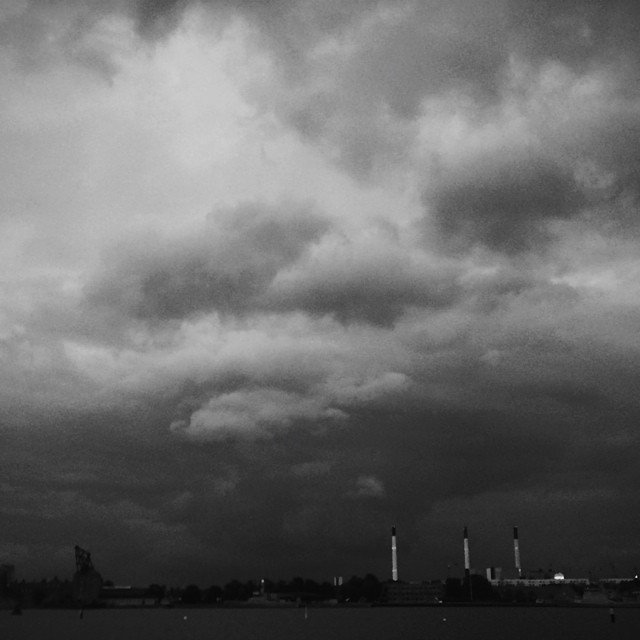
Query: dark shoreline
[[319, 605]]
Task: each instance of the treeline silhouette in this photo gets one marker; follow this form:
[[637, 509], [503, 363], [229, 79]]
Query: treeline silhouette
[[298, 589]]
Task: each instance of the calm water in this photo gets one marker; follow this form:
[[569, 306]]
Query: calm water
[[323, 624]]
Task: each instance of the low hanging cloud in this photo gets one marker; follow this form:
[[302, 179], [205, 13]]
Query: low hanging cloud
[[254, 414], [257, 413]]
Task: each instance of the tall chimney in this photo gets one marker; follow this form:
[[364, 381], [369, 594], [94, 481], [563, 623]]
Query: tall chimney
[[516, 551], [467, 566], [394, 556]]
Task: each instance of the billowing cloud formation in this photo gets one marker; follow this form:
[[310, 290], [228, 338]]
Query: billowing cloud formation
[[322, 267], [238, 413], [250, 412], [225, 267], [253, 258]]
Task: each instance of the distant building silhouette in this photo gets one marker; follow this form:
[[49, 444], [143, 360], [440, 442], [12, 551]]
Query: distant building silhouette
[[86, 581]]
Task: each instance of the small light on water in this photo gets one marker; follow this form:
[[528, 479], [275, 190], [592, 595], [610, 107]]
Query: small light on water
[[185, 618], [444, 619]]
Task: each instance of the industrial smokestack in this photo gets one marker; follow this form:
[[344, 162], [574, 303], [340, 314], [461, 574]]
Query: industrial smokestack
[[516, 551], [467, 566], [394, 556]]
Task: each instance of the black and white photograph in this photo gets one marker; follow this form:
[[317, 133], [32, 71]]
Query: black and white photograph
[[319, 319]]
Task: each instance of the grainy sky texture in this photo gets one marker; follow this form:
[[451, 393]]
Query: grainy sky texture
[[276, 275]]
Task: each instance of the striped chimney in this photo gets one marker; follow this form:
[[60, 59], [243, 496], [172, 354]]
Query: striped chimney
[[516, 551], [394, 556], [467, 566]]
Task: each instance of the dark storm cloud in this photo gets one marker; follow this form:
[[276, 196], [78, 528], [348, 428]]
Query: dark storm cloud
[[376, 76], [426, 46], [506, 197], [225, 268], [418, 49], [578, 33], [381, 60], [284, 385], [429, 48], [561, 145], [500, 199], [256, 258], [289, 26], [368, 282], [396, 61], [62, 25], [411, 52], [609, 143], [376, 298], [155, 17]]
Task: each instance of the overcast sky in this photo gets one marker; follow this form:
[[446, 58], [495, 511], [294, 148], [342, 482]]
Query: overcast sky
[[277, 275]]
